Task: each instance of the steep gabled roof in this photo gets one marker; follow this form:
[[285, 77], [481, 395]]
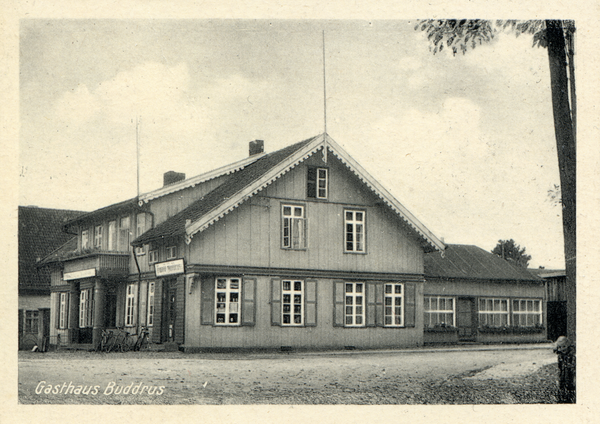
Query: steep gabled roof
[[40, 233], [98, 214], [472, 262], [248, 181]]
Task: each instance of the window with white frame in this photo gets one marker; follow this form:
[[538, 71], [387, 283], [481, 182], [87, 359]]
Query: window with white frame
[[112, 235], [98, 236], [439, 311], [292, 302], [355, 305], [316, 183], [85, 239], [153, 256], [150, 319], [140, 224], [493, 313], [527, 312], [124, 234], [85, 311], [394, 305], [354, 230], [32, 320], [171, 252], [293, 231], [62, 311], [130, 305], [227, 301]]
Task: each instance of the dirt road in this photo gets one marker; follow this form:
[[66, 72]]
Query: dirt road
[[378, 377]]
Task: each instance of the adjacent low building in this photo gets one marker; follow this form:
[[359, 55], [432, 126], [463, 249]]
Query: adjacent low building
[[471, 295]]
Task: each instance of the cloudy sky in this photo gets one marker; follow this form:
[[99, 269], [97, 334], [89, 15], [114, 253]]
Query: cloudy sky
[[466, 143]]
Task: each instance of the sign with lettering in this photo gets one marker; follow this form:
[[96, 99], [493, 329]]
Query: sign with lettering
[[169, 268], [76, 275]]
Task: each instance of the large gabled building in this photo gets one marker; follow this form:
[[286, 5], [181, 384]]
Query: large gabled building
[[296, 248]]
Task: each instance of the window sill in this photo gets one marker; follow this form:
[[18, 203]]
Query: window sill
[[511, 330], [441, 329]]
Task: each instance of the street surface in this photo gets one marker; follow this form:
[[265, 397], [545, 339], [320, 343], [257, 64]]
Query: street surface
[[348, 377]]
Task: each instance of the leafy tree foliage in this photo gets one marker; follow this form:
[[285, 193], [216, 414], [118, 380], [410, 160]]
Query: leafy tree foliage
[[512, 252]]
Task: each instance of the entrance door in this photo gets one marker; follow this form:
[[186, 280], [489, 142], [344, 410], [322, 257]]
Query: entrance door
[[465, 319], [171, 312]]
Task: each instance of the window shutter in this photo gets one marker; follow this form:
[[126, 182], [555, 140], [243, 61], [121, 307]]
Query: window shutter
[[208, 301], [379, 319], [371, 305], [338, 310], [248, 296], [310, 298], [275, 301], [409, 304]]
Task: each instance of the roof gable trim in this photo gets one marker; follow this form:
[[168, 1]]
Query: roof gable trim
[[199, 179], [234, 201]]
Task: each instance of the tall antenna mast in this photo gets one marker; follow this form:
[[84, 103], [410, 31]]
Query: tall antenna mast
[[324, 105], [137, 151], [324, 90]]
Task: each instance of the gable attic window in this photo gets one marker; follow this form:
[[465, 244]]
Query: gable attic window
[[317, 183], [293, 227]]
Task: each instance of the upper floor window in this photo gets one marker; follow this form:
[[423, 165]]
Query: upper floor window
[[85, 239], [124, 234], [527, 312], [153, 256], [98, 237], [141, 224], [171, 252], [316, 183], [354, 231], [227, 301], [293, 229], [112, 235]]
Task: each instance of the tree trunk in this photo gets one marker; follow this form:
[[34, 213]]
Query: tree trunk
[[565, 145]]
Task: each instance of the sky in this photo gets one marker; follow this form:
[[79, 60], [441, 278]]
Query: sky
[[466, 143]]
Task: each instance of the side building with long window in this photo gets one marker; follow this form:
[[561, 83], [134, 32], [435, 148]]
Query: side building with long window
[[299, 248], [473, 295]]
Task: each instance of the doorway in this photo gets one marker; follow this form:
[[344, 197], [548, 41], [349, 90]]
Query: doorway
[[466, 319]]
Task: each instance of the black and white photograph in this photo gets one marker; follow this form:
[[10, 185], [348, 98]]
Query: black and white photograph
[[297, 212]]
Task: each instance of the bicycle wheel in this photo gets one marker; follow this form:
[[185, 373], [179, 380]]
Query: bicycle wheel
[[125, 346]]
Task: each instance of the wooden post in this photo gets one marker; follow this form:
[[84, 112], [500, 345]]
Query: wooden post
[[99, 306]]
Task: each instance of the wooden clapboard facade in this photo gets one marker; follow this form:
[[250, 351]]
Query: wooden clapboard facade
[[298, 248]]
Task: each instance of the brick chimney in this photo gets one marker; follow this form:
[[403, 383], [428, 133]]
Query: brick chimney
[[172, 177], [256, 147]]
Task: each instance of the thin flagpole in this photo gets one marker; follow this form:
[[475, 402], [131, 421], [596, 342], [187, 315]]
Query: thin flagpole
[[324, 90], [137, 151]]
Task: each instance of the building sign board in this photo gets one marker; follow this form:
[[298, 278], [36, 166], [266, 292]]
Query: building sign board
[[169, 268], [75, 275]]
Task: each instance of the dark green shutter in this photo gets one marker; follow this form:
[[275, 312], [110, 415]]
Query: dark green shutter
[[208, 301], [275, 301], [410, 291], [248, 296], [371, 306], [338, 310], [379, 318], [310, 305]]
